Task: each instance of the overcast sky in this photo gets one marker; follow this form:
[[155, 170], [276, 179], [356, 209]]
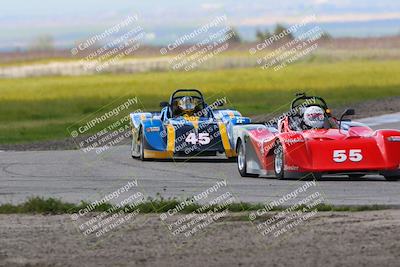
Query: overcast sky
[[173, 12], [24, 19]]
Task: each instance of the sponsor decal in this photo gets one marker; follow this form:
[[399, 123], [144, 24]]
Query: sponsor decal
[[291, 168]]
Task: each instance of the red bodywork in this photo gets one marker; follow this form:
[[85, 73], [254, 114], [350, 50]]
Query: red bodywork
[[360, 149]]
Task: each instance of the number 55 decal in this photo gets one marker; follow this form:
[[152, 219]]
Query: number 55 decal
[[341, 155]]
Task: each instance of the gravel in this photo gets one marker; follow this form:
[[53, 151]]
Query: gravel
[[327, 239]]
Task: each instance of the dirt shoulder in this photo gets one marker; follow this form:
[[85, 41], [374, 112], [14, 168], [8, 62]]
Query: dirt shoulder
[[327, 239]]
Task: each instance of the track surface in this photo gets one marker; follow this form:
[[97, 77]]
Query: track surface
[[74, 176]]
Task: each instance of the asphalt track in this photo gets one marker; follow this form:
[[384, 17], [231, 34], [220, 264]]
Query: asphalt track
[[74, 176]]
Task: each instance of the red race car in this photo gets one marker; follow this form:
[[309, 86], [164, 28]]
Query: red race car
[[308, 140]]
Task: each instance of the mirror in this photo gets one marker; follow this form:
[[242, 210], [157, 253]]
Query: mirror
[[164, 104], [349, 112]]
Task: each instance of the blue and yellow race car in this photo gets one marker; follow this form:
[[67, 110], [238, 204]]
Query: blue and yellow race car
[[186, 126]]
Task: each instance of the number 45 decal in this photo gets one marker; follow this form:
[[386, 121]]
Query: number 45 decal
[[204, 138], [341, 155]]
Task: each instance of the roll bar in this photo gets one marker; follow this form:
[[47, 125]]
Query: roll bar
[[186, 90], [303, 96]]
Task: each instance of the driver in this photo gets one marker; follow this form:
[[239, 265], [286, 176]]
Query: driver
[[187, 106], [314, 117]]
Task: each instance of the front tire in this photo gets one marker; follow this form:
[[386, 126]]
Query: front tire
[[134, 147], [242, 162], [141, 148], [279, 162]]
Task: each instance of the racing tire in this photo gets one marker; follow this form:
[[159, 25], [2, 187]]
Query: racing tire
[[392, 178], [316, 176], [133, 149], [279, 162], [132, 155], [141, 148], [241, 161]]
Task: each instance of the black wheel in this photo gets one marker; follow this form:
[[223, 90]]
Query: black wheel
[[316, 176], [392, 178], [134, 148], [279, 162], [241, 161], [141, 146]]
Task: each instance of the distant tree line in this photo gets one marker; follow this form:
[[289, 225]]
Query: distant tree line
[[279, 28], [46, 42], [42, 43], [263, 35]]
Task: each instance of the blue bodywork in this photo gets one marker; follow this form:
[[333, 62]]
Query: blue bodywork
[[165, 136]]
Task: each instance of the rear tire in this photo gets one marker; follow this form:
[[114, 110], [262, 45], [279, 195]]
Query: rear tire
[[242, 162], [279, 164], [316, 176]]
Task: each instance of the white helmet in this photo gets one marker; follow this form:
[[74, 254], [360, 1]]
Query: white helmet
[[187, 104], [314, 117]]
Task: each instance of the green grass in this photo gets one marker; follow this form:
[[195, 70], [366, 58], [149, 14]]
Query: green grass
[[38, 205], [320, 55], [43, 108]]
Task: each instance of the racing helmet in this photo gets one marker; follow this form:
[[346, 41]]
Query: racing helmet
[[314, 117], [187, 104]]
